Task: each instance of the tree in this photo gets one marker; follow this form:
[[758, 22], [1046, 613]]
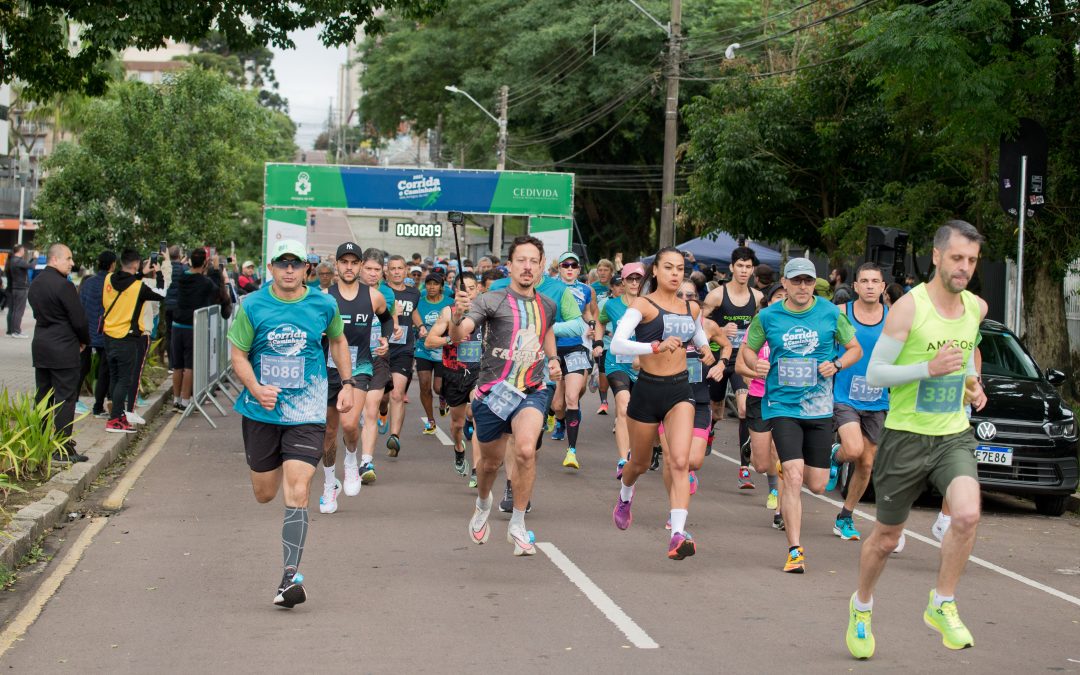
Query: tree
[[37, 35], [249, 68], [181, 161], [596, 113]]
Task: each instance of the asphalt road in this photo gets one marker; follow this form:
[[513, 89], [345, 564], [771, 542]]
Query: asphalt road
[[182, 579]]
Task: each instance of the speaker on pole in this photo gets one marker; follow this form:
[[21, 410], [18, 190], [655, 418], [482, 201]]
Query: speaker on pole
[[887, 246]]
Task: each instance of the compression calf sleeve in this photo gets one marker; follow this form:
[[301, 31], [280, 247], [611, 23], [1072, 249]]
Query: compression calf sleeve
[[744, 442], [293, 534], [573, 422]]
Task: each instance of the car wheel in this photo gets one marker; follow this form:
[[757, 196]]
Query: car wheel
[[846, 471], [1051, 505]]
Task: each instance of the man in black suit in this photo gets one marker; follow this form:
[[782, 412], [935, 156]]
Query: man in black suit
[[61, 334]]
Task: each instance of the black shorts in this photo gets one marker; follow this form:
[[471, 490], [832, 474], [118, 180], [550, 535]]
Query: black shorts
[[333, 385], [702, 416], [266, 446], [183, 348], [401, 361], [457, 385], [563, 352], [718, 389], [380, 373], [754, 420], [620, 381], [424, 365], [808, 440], [655, 395]]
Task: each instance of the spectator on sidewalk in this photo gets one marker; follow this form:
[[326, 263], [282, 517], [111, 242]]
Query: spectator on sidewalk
[[90, 295], [123, 297], [61, 335], [841, 291], [248, 281], [148, 321], [19, 265], [176, 267], [195, 289]]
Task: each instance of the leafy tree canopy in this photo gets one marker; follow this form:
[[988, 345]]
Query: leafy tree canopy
[[38, 35]]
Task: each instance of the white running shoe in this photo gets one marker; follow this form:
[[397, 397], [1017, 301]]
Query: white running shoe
[[352, 478], [900, 544], [940, 527], [328, 501], [479, 529], [134, 417], [519, 537]]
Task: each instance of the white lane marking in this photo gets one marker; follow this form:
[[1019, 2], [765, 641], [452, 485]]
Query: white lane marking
[[633, 632], [439, 433], [933, 542]]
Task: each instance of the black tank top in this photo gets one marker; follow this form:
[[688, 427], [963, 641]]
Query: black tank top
[[665, 325], [358, 316], [729, 312], [406, 300]]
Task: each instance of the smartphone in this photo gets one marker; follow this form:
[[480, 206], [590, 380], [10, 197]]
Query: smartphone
[[229, 260], [164, 246]]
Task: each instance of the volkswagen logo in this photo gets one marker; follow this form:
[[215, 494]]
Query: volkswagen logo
[[986, 431]]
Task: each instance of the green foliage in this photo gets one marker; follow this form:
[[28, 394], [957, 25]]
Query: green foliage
[[36, 47], [154, 370], [181, 161], [28, 436]]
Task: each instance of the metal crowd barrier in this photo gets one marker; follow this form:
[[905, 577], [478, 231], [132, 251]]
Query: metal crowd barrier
[[212, 370]]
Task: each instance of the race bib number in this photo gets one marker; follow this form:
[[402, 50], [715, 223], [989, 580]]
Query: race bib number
[[860, 391], [503, 400], [693, 370], [353, 351], [576, 361], [404, 339], [738, 338], [680, 326], [623, 358], [285, 372], [376, 333], [941, 395], [470, 351], [797, 372]]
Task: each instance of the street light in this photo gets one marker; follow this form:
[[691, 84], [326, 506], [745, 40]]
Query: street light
[[497, 229]]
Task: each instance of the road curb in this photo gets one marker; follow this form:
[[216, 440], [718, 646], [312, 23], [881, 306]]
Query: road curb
[[1073, 504], [66, 486]]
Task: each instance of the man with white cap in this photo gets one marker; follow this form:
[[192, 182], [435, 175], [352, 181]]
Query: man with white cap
[[276, 339], [802, 332]]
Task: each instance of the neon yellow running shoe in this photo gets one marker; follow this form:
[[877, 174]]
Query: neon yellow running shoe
[[771, 500], [571, 459], [549, 424], [946, 620], [860, 641]]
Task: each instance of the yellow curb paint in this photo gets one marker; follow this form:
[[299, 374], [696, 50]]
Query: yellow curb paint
[[116, 499], [29, 614]]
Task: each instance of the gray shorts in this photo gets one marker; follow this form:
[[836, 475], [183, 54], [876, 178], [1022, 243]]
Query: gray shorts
[[906, 464], [871, 422]]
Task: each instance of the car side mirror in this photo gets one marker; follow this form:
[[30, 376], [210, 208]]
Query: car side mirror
[[1054, 377]]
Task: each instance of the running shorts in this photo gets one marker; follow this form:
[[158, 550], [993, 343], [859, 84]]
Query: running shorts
[[871, 422], [266, 446], [907, 463], [655, 395], [808, 440]]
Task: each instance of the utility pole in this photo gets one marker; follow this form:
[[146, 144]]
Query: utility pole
[[497, 230], [671, 127]]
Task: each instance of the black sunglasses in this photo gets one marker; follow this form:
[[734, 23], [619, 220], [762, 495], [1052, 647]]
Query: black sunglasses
[[287, 264], [569, 265], [686, 295]]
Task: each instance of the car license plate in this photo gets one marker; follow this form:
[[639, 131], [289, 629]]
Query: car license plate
[[992, 454]]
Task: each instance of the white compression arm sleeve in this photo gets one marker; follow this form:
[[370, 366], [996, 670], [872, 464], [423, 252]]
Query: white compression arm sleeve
[[883, 371], [621, 344], [701, 340]]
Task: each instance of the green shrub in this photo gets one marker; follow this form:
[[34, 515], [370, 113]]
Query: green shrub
[[28, 435], [90, 381]]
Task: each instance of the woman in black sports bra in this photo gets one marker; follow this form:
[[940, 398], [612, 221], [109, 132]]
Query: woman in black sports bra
[[662, 325]]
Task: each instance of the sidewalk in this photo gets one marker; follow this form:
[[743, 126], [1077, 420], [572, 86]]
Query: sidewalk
[[18, 372]]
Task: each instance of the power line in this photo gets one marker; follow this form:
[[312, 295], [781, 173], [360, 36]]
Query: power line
[[784, 71], [724, 36]]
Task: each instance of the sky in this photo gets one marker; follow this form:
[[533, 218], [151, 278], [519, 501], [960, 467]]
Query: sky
[[308, 77]]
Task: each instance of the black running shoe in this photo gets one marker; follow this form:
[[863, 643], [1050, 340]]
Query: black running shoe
[[655, 464], [291, 591], [507, 503]]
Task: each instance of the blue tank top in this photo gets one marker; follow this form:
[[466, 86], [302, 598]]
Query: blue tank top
[[849, 385], [614, 310], [429, 313], [582, 295]]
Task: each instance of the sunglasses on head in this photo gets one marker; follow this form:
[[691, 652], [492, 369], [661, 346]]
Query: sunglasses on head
[[290, 263], [569, 265]]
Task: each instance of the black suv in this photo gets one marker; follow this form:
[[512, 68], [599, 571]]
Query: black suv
[[1027, 434]]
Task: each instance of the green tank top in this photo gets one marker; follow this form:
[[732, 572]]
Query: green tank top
[[934, 406]]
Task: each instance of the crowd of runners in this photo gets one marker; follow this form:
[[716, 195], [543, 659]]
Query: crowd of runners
[[508, 352]]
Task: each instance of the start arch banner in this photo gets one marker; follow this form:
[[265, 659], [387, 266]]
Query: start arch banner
[[510, 193]]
